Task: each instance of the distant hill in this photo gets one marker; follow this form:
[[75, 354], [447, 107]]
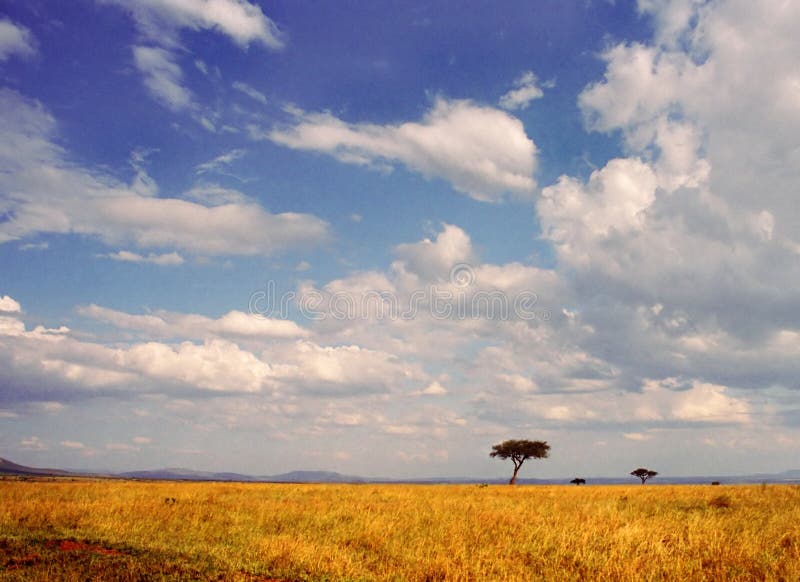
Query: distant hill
[[176, 474], [314, 477], [9, 468], [179, 474]]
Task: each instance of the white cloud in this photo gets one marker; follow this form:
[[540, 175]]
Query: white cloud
[[160, 23], [215, 365], [682, 257], [744, 51], [711, 403], [637, 436], [333, 369], [165, 324], [613, 201], [518, 382], [166, 259], [435, 259], [33, 443], [42, 364], [240, 20], [163, 77], [41, 246], [526, 89], [396, 309], [251, 92], [15, 40], [52, 194], [72, 445], [483, 152], [434, 389], [220, 163], [9, 305]]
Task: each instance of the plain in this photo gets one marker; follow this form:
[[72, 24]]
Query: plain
[[136, 530]]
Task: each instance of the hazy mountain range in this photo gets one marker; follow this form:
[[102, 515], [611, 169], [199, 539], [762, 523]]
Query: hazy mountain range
[[178, 474]]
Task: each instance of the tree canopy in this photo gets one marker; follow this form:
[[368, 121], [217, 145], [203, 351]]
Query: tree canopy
[[520, 451], [644, 474]]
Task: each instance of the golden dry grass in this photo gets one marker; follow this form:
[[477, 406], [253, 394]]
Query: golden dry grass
[[397, 532]]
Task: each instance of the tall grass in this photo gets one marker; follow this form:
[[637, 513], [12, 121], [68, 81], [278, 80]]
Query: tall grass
[[407, 532]]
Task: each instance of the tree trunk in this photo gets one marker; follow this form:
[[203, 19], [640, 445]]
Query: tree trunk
[[514, 476]]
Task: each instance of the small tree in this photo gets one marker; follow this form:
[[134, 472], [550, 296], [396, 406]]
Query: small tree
[[578, 481], [643, 474], [520, 451]]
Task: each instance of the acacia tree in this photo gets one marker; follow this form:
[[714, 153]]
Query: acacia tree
[[578, 481], [643, 474], [520, 451]]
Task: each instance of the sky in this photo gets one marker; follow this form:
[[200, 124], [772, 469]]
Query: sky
[[380, 237]]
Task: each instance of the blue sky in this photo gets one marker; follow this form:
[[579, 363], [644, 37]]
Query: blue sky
[[627, 168]]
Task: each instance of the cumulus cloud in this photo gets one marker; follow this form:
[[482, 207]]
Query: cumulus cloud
[[483, 152], [9, 305], [215, 365], [52, 365], [342, 369], [435, 259], [50, 194], [395, 310], [728, 69], [15, 40], [664, 403], [614, 200], [682, 256]]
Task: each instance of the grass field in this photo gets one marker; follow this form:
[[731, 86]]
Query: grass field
[[124, 530]]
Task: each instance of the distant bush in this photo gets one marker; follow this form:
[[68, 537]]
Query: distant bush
[[715, 482]]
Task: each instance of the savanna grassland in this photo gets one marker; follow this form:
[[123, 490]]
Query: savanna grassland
[[126, 530]]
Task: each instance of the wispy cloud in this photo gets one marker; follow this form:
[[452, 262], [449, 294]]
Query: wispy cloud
[[221, 163], [166, 259], [15, 40], [240, 20], [52, 194], [33, 443], [251, 92], [526, 89], [163, 77]]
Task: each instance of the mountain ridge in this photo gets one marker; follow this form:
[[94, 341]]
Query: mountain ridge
[[316, 476]]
